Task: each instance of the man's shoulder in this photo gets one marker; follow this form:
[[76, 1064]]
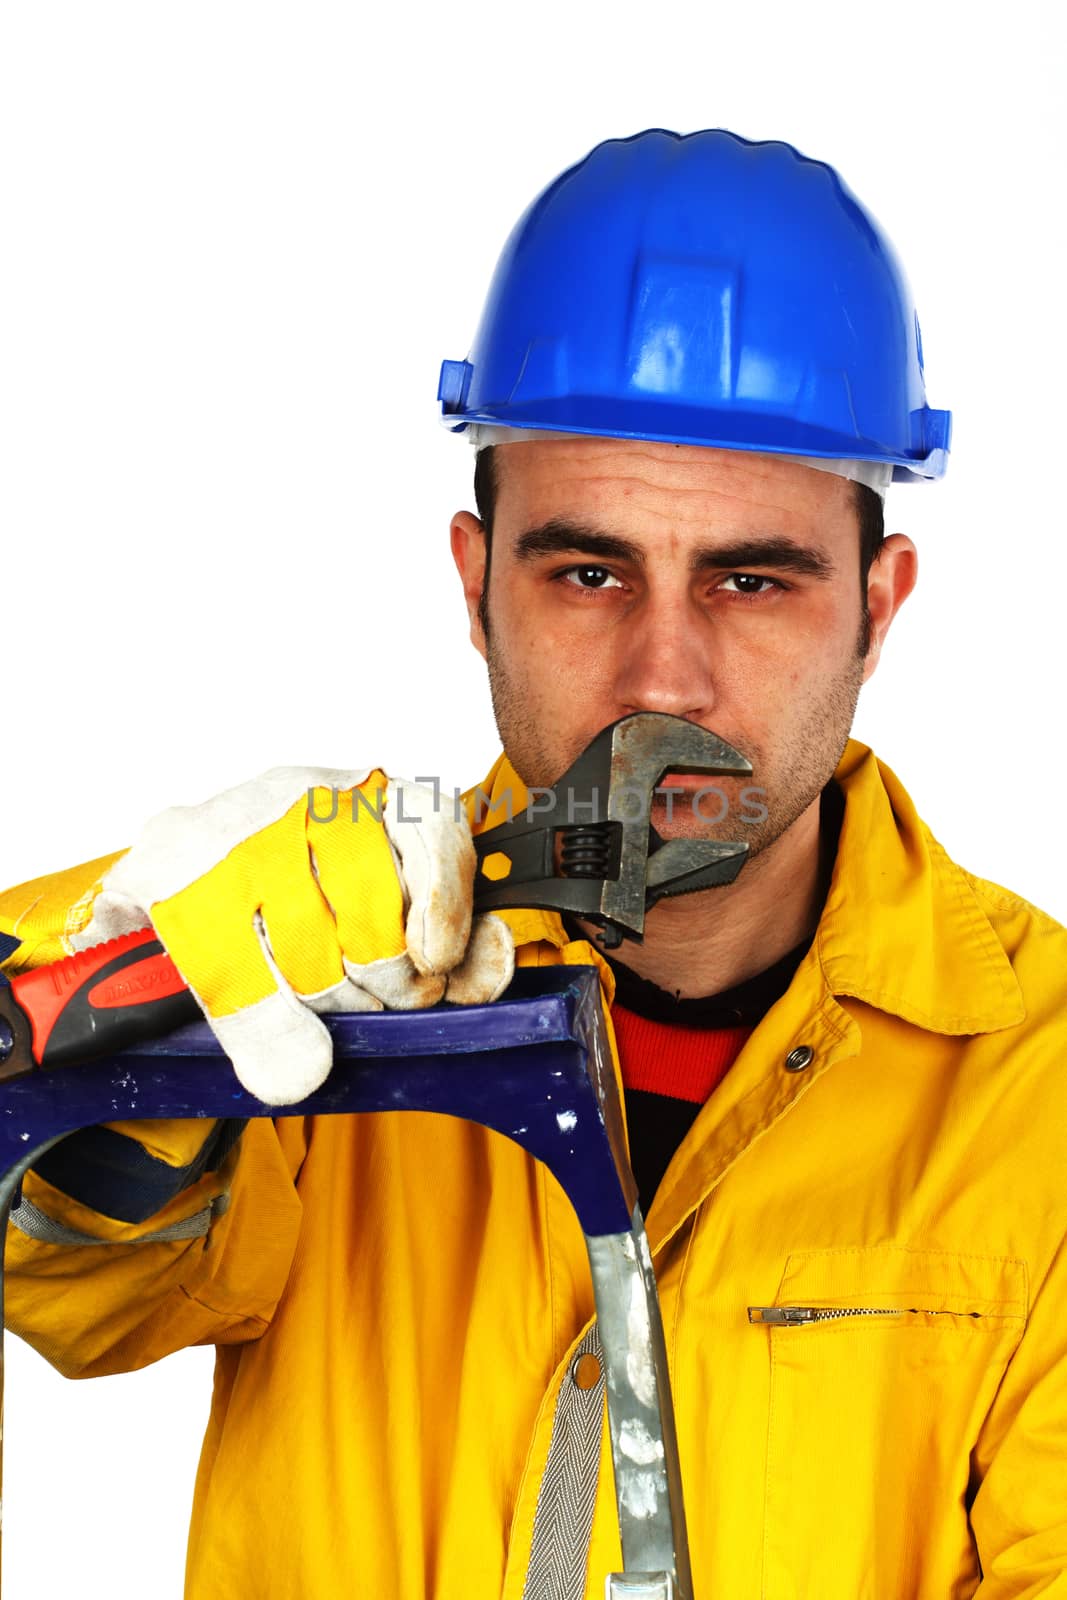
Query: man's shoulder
[[1007, 909], [1033, 940], [37, 917], [1000, 902]]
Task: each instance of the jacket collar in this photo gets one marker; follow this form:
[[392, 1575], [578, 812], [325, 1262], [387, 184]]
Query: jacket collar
[[901, 929]]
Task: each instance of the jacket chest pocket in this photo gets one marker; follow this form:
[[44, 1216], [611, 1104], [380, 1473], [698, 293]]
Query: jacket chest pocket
[[883, 1363]]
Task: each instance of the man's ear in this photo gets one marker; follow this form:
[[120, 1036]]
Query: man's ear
[[468, 552], [892, 577]]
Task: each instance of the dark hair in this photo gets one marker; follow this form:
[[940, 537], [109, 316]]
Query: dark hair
[[869, 510], [485, 491]]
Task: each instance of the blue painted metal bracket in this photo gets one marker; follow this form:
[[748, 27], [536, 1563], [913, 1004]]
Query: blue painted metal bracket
[[535, 1067]]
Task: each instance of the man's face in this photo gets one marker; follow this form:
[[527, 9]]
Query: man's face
[[632, 576]]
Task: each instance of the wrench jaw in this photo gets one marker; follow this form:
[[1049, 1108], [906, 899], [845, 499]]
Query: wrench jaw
[[681, 866], [612, 869]]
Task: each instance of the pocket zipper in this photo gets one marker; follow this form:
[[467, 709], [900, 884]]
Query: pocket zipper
[[793, 1316]]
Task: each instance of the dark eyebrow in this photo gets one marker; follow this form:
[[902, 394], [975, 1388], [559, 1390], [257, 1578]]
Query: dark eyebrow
[[560, 537], [776, 551], [563, 537]]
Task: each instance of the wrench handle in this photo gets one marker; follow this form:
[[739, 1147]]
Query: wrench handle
[[103, 999]]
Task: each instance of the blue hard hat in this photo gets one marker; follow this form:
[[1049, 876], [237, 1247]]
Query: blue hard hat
[[703, 289]]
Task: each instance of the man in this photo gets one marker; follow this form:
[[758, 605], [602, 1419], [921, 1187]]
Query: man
[[698, 370]]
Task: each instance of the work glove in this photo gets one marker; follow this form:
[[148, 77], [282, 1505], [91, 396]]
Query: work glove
[[307, 890]]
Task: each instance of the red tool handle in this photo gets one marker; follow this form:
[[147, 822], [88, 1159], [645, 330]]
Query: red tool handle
[[103, 999]]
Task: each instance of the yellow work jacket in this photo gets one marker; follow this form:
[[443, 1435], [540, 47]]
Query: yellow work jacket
[[398, 1300]]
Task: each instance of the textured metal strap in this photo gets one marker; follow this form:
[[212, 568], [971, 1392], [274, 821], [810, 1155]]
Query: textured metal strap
[[559, 1552]]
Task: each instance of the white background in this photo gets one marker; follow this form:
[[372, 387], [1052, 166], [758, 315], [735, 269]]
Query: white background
[[237, 242]]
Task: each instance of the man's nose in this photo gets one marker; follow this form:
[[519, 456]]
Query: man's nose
[[667, 657]]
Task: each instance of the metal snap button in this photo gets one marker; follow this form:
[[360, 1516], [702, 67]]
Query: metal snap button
[[799, 1058], [586, 1372]]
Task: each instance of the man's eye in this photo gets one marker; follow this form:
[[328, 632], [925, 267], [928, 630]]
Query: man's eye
[[590, 577], [749, 578]]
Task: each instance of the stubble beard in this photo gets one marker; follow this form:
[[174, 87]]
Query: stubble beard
[[785, 789]]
